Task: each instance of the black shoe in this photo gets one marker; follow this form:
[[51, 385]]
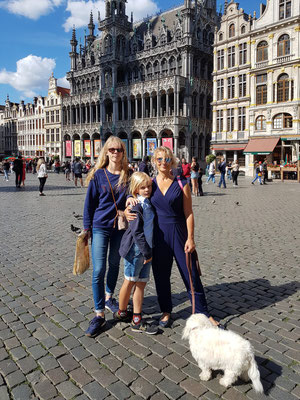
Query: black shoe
[[144, 327], [165, 324]]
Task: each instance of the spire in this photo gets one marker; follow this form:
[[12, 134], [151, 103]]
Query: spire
[[91, 25], [225, 6], [73, 41]]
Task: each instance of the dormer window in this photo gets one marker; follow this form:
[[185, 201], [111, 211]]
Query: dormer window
[[284, 9], [220, 37], [148, 44], [243, 29], [163, 40], [231, 30]]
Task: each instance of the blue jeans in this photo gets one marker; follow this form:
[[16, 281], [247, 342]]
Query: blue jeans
[[257, 177], [222, 180], [211, 177], [101, 239], [6, 174]]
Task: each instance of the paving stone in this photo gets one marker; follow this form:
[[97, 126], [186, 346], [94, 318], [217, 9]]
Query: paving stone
[[170, 389], [7, 366], [143, 388], [68, 390], [120, 391], [3, 354], [104, 377], [79, 353], [135, 363], [173, 374], [156, 362], [18, 353], [15, 378], [94, 391], [4, 393], [68, 363], [27, 364], [47, 363], [21, 392], [193, 387], [111, 363], [37, 351], [80, 377], [45, 390], [11, 343], [56, 376], [126, 375]]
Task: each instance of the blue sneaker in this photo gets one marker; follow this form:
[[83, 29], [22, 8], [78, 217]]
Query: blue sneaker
[[95, 326], [112, 305]]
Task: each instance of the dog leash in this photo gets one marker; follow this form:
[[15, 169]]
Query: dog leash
[[188, 257]]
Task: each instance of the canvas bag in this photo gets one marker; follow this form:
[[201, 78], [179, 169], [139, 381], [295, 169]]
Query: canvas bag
[[82, 254]]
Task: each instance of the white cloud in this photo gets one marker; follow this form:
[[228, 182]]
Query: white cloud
[[31, 76], [63, 82], [32, 9], [80, 11]]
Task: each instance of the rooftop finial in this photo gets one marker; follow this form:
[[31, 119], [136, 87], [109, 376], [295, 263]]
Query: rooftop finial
[[225, 6]]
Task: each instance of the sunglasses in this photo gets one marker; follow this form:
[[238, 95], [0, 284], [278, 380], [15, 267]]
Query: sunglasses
[[161, 159], [113, 150]]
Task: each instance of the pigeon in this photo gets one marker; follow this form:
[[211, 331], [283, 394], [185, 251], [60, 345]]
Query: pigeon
[[75, 229], [214, 201], [78, 216]]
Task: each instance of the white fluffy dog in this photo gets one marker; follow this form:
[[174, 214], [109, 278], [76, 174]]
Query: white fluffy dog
[[214, 348]]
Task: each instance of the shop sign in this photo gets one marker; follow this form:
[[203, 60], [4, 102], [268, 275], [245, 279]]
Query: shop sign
[[77, 148], [87, 148], [136, 148], [68, 148], [97, 147], [291, 138], [151, 146]]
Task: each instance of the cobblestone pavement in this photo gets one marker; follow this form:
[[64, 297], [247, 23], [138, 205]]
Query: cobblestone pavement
[[250, 257]]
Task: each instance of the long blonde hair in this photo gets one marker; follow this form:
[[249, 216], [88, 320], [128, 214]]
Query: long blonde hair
[[103, 161], [136, 180], [39, 163]]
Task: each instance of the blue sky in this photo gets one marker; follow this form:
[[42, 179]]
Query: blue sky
[[35, 36]]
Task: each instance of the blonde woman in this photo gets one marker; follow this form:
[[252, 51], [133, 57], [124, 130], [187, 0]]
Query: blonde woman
[[100, 220], [41, 174], [173, 235]]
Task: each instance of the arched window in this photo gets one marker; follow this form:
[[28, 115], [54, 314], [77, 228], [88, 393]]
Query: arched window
[[220, 37], [149, 71], [156, 68], [142, 70], [262, 51], [282, 121], [172, 64], [163, 40], [284, 9], [179, 63], [231, 30], [243, 29], [283, 47], [283, 86], [148, 44], [260, 124], [164, 67]]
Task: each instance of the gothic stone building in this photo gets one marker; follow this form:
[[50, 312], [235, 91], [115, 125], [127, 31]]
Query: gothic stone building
[[148, 83]]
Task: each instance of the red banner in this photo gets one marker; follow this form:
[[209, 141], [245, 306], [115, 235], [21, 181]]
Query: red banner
[[167, 142], [68, 148]]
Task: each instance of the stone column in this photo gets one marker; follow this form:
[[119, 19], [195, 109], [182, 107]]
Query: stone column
[[235, 155], [144, 147], [129, 108], [81, 148], [97, 113], [151, 106], [130, 147], [136, 108], [143, 106], [92, 151], [158, 104], [123, 110], [63, 150], [167, 104]]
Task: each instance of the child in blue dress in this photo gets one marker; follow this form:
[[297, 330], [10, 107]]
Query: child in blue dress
[[136, 249]]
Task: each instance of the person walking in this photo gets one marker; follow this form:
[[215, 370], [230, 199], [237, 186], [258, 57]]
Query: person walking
[[211, 172], [222, 169], [186, 170], [67, 170], [265, 171], [235, 172], [200, 190], [42, 174], [258, 173], [107, 188], [194, 176], [78, 172], [136, 249], [18, 170], [23, 173], [6, 168], [173, 235]]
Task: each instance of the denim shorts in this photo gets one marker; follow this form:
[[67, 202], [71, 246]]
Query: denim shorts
[[134, 268]]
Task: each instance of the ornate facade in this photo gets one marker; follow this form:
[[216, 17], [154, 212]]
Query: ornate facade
[[30, 126], [10, 127], [53, 119], [2, 146], [257, 84], [148, 83]]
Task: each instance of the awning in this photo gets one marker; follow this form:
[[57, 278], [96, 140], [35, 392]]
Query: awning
[[261, 146], [228, 147]]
